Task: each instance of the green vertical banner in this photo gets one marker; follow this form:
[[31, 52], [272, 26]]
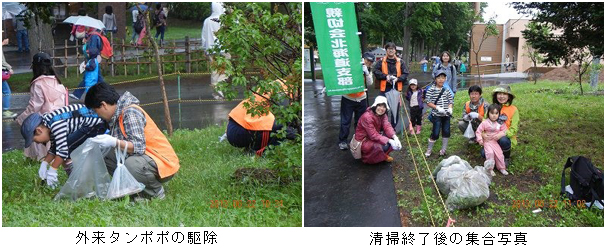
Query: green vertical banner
[[339, 49]]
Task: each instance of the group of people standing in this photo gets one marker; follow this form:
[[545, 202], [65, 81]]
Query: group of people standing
[[495, 126]]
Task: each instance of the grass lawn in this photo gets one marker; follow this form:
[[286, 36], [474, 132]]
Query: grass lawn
[[555, 123], [209, 173], [176, 29]]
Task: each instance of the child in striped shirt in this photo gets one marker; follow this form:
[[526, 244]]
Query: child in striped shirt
[[66, 129], [441, 100]]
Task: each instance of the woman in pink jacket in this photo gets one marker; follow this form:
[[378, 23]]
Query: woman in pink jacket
[[47, 94], [376, 133]]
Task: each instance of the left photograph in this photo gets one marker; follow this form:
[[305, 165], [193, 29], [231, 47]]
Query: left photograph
[[151, 114]]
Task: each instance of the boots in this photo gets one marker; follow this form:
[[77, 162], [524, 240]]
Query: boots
[[411, 129], [418, 128], [430, 149], [506, 157], [443, 146]]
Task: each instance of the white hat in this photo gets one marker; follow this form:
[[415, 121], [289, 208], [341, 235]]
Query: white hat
[[413, 81], [380, 99]]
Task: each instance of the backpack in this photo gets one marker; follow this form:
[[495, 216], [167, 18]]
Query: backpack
[[156, 18], [107, 51], [138, 26], [586, 181]]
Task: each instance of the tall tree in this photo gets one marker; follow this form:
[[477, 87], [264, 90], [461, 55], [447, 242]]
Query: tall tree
[[582, 27], [38, 20]]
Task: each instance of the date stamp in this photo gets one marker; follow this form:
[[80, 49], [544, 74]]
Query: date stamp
[[248, 204], [517, 204]]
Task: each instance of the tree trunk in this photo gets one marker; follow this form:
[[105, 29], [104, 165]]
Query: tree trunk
[[40, 37], [158, 59], [406, 34]]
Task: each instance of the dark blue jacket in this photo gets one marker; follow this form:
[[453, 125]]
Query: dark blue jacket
[[94, 45]]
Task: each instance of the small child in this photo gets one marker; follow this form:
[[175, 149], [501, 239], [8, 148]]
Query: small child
[[441, 100], [414, 96], [66, 128], [488, 133]]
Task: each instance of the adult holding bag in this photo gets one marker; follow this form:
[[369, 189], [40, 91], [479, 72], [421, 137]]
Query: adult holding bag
[[375, 134], [473, 112]]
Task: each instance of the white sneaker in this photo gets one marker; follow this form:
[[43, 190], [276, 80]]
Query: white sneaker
[[343, 146], [493, 173], [8, 115], [504, 172], [160, 195]]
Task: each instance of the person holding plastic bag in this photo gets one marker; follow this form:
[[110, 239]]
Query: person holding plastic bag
[[473, 112], [376, 134], [47, 93], [491, 129], [441, 100], [151, 159], [66, 128]]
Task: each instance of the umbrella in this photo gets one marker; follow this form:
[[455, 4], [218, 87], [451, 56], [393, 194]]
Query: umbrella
[[9, 10], [85, 21], [142, 6]]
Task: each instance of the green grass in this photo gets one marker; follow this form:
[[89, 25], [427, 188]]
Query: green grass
[[176, 29], [555, 123], [206, 174]]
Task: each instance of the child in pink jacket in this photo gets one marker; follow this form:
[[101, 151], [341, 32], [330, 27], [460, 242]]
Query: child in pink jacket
[[488, 133], [46, 94]]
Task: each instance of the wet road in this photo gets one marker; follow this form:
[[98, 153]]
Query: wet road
[[339, 190], [193, 114]]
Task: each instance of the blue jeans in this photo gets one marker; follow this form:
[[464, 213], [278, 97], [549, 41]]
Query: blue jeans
[[440, 124], [6, 98], [160, 30], [22, 40], [75, 139], [347, 109], [134, 35], [504, 143]]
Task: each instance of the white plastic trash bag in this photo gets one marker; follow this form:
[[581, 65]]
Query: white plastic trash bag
[[469, 133], [464, 186], [89, 177], [123, 183]]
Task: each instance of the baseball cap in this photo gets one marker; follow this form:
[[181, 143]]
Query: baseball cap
[[42, 58], [369, 56], [29, 126], [413, 81]]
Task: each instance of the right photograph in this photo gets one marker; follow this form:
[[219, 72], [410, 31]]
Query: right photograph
[[467, 114]]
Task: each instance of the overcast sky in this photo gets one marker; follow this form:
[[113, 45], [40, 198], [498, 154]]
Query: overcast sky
[[502, 10]]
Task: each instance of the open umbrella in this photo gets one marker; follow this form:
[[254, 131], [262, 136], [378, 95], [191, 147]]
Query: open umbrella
[[85, 21], [142, 6], [9, 10]]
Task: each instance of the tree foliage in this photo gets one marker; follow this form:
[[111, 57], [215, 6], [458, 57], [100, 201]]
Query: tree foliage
[[581, 39], [269, 41]]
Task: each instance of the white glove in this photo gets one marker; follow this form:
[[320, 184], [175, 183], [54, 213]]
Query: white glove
[[105, 141], [440, 110], [365, 70], [392, 142], [467, 117], [449, 111], [222, 138], [474, 115], [51, 178], [42, 170]]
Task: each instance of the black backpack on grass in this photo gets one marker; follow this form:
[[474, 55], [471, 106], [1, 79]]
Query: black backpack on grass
[[585, 179]]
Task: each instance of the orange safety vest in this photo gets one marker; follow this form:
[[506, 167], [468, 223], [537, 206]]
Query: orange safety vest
[[480, 111], [385, 70], [509, 111], [255, 123], [156, 146]]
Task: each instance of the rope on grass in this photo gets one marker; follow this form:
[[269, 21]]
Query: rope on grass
[[450, 221]]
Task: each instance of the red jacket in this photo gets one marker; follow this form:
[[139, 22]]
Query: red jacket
[[377, 130]]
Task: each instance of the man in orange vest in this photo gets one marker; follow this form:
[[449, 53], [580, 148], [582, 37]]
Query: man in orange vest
[[473, 111], [255, 132], [151, 159], [355, 103], [392, 74]]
